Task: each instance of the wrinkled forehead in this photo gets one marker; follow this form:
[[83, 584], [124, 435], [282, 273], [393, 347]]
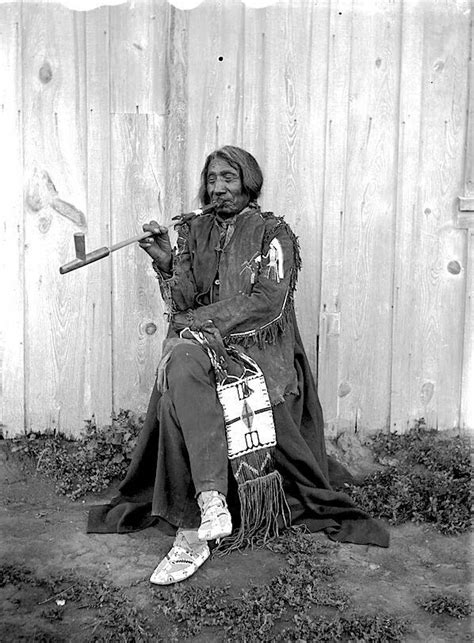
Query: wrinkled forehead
[[219, 166]]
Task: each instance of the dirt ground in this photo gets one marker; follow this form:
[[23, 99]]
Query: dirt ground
[[46, 533]]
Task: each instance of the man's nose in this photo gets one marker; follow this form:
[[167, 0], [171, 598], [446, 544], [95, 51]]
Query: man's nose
[[219, 186]]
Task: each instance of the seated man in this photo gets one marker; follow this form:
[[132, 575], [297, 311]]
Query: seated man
[[229, 288]]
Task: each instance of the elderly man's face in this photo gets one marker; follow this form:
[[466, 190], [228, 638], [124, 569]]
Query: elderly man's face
[[225, 188]]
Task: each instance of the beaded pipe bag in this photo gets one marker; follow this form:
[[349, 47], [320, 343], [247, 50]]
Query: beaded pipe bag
[[251, 441]]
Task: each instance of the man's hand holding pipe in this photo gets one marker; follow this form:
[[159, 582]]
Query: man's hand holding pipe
[[158, 246]]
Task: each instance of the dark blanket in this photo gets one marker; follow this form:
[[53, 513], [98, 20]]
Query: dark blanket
[[309, 475]]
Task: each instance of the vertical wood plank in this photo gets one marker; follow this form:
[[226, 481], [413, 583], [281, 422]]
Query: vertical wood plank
[[138, 321], [467, 386], [176, 133], [213, 83], [11, 225], [339, 77], [311, 89], [97, 309], [429, 289], [137, 54], [369, 218], [443, 139], [257, 59], [139, 87], [407, 214], [54, 153], [467, 403], [310, 34]]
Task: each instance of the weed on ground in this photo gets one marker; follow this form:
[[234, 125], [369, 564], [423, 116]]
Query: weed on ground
[[51, 604], [426, 477], [84, 465], [356, 627], [306, 593], [304, 600], [450, 604]]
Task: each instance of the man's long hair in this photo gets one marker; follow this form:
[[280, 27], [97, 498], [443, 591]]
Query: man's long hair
[[250, 173]]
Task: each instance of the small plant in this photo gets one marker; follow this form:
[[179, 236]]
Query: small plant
[[357, 627], [427, 479], [16, 575], [88, 464], [53, 613], [450, 604]]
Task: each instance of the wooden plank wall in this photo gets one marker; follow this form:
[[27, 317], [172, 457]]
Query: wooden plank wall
[[357, 113], [465, 220], [430, 277], [12, 292]]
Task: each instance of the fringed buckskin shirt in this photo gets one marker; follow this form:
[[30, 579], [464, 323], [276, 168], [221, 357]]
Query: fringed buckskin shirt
[[240, 273]]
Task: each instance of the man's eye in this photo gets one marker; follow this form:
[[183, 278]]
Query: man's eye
[[227, 178]]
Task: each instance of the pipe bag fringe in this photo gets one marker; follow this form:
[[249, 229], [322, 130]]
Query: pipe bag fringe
[[251, 440]]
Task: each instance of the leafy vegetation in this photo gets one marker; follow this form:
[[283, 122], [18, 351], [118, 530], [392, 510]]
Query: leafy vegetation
[[356, 627], [426, 477], [84, 465], [450, 604], [110, 614], [306, 583]]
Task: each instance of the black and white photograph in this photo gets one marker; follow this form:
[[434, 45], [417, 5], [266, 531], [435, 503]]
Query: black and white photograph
[[236, 320]]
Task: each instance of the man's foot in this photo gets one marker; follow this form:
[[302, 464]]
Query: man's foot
[[216, 521], [184, 558]]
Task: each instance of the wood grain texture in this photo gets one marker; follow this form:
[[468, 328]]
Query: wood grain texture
[[256, 83], [429, 302], [368, 220], [138, 313], [11, 225], [467, 398], [357, 115], [54, 146], [213, 85], [467, 386], [176, 101], [407, 213], [310, 36], [339, 77], [137, 56], [444, 138], [98, 374], [469, 158]]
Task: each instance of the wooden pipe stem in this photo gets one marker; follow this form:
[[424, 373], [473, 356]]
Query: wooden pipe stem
[[127, 242]]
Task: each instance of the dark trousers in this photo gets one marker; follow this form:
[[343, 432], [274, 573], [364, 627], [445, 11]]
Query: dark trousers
[[192, 448]]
